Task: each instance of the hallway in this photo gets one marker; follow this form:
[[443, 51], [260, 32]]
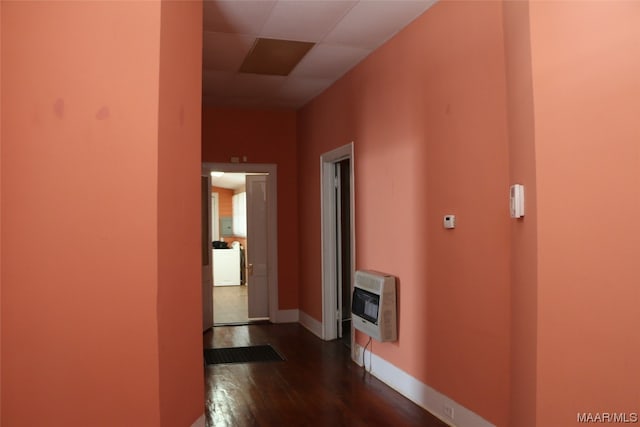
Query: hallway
[[317, 385]]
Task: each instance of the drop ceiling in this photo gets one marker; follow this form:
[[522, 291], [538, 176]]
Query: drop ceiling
[[341, 32]]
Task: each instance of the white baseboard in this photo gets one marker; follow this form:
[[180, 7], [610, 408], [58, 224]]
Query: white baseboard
[[287, 316], [311, 324], [199, 422], [418, 392]]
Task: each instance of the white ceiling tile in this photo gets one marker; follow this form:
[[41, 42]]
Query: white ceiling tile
[[236, 16], [256, 85], [302, 89], [346, 32], [370, 23], [329, 61], [304, 20], [223, 51]]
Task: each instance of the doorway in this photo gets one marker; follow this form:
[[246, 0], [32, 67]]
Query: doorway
[[229, 269], [253, 275], [338, 243], [343, 248]]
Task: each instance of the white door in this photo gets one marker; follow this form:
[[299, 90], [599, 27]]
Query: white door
[[207, 255], [257, 253]]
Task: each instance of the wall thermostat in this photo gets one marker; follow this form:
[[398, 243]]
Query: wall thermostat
[[449, 221]]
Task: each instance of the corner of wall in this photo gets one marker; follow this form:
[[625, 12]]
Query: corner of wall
[[1, 212], [311, 324], [523, 238], [179, 298]]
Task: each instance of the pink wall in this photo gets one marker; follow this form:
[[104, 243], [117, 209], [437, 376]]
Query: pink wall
[[264, 137], [179, 256], [86, 337], [522, 163], [427, 113], [585, 67], [0, 211]]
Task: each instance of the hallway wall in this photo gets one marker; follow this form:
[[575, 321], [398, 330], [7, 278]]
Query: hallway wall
[[88, 327], [585, 64], [0, 211], [524, 232], [427, 114], [179, 255], [554, 294]]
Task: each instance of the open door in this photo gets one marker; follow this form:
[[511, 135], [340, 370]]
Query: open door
[[343, 249], [262, 240], [207, 254], [257, 247], [338, 242]]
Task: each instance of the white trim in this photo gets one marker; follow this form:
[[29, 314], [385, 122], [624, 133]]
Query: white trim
[[328, 235], [288, 316], [418, 392], [311, 324], [272, 220], [200, 422]]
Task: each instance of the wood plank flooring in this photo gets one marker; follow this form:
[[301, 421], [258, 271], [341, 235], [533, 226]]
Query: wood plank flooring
[[318, 385]]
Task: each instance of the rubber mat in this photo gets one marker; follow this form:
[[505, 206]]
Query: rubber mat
[[256, 353]]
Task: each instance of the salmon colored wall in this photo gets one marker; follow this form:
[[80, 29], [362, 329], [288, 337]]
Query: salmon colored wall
[[79, 213], [524, 284], [264, 136], [179, 257], [0, 211], [585, 66], [86, 333], [225, 201], [427, 112]]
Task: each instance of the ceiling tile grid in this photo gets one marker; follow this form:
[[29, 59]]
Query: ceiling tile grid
[[239, 16], [344, 32], [304, 20], [225, 51], [328, 61]]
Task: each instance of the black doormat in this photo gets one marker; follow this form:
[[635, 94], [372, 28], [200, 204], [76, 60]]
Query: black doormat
[[256, 353]]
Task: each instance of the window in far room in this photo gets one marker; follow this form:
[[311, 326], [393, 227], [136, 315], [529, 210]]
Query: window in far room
[[239, 201]]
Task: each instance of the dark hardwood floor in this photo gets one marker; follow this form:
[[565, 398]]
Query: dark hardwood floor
[[317, 385]]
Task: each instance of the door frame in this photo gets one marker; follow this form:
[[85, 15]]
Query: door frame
[[328, 204], [272, 220]]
